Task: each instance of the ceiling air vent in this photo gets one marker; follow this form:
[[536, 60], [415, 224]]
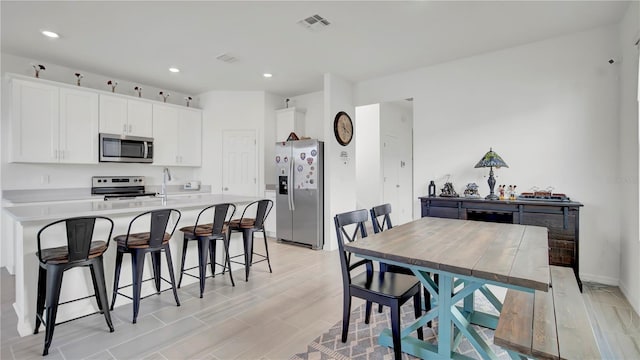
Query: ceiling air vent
[[314, 23], [226, 58]]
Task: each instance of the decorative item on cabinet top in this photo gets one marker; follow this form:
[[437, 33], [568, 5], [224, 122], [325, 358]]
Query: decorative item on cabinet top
[[113, 85], [138, 89], [164, 95], [38, 68], [78, 77]]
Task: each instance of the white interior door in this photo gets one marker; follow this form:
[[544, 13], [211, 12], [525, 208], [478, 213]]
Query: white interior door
[[239, 173], [390, 175], [397, 173]]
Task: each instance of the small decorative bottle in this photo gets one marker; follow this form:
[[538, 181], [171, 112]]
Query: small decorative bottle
[[432, 189]]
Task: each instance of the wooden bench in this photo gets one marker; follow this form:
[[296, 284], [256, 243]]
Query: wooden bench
[[547, 325]]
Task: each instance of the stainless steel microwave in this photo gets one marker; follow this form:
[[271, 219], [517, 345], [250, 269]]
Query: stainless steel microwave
[[121, 148]]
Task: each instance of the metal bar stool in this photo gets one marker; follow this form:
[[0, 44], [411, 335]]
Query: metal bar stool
[[138, 245], [80, 251], [207, 236], [248, 226]]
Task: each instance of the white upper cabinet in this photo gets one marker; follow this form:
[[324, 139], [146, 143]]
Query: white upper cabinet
[[78, 131], [119, 115], [34, 122], [53, 125], [177, 136]]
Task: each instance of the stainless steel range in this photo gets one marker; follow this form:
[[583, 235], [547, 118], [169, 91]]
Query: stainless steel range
[[119, 187]]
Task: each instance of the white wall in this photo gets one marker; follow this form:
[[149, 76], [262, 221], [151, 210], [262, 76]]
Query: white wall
[[28, 176], [548, 108], [627, 181], [340, 177], [230, 110], [368, 164], [271, 103], [313, 106]]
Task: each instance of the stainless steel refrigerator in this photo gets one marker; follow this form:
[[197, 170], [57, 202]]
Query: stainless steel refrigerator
[[300, 192]]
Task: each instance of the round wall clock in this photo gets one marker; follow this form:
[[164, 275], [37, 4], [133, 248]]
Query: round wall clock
[[343, 128]]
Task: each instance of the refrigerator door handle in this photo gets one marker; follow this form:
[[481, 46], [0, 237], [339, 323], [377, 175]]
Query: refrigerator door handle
[[292, 205]]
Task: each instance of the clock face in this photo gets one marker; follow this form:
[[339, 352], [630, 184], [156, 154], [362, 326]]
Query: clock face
[[343, 128]]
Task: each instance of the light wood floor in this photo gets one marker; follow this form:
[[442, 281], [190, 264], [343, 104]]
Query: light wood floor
[[273, 316]]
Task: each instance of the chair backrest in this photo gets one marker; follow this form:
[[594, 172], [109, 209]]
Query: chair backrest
[[380, 217], [79, 232], [158, 225], [262, 209], [222, 213], [350, 226]]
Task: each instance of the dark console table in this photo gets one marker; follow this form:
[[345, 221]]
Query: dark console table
[[562, 218]]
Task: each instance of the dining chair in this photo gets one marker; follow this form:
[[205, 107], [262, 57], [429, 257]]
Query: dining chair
[[207, 235], [251, 221], [155, 241], [381, 220], [390, 289], [81, 250]]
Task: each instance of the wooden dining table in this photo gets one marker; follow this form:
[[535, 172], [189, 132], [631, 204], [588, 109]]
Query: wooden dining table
[[467, 255]]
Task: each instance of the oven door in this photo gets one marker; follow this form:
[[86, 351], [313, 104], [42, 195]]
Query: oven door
[[119, 148]]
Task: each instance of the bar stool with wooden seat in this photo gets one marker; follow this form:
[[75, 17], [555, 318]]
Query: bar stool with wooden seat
[[248, 226], [207, 235], [79, 251], [155, 241]]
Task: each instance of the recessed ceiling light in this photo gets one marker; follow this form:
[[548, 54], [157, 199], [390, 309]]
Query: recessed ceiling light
[[267, 75], [50, 34], [174, 70]]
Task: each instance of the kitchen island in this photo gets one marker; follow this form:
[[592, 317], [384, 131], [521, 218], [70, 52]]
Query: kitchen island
[[27, 220]]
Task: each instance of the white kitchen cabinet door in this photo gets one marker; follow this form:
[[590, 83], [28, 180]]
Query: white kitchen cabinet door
[[189, 137], [78, 129], [165, 135], [123, 116], [177, 136], [34, 122], [113, 115], [140, 118]]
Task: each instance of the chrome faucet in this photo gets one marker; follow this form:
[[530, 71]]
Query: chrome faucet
[[166, 176]]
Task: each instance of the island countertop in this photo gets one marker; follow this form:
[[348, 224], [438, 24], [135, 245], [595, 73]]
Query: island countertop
[[59, 210]]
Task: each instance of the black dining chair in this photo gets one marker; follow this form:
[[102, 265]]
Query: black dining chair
[[207, 235], [81, 250], [251, 221], [381, 220], [155, 241], [390, 289]]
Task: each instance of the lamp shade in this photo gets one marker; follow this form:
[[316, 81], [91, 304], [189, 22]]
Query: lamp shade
[[491, 159]]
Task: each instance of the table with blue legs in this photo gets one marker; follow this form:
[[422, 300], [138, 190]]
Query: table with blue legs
[[467, 256]]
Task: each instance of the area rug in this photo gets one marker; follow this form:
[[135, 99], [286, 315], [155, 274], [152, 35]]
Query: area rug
[[362, 342]]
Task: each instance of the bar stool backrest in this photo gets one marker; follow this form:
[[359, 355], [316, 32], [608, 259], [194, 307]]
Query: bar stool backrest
[[158, 228], [262, 211], [79, 232], [222, 214]]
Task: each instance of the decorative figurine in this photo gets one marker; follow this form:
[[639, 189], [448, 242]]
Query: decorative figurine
[[501, 192], [79, 76], [113, 85], [188, 100], [38, 68], [471, 191], [512, 192], [138, 89], [164, 96], [448, 191]]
